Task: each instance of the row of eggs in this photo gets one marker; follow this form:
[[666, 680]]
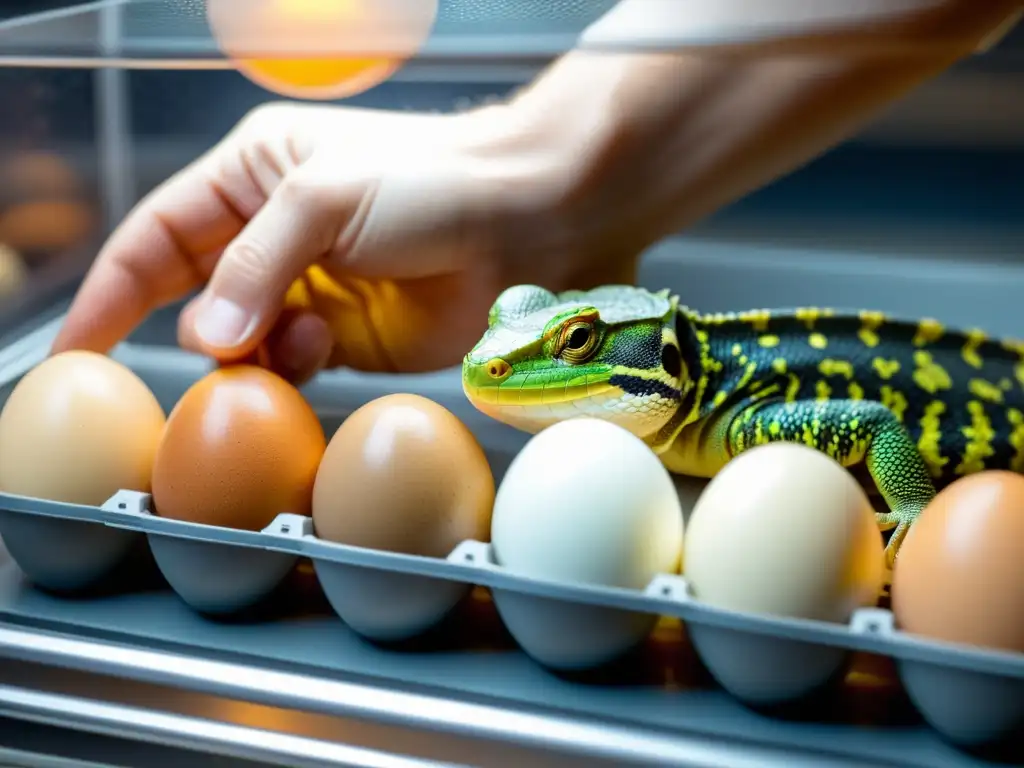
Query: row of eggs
[[782, 530], [241, 446]]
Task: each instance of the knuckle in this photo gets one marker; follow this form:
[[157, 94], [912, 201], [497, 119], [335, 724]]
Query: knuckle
[[297, 192], [250, 263]]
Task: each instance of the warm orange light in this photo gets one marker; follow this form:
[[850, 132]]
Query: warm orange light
[[320, 49]]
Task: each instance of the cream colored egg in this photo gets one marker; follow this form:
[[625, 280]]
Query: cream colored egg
[[13, 272], [584, 502], [783, 529], [78, 428]]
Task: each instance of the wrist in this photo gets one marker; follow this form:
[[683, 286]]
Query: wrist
[[830, 27], [646, 144], [530, 168]]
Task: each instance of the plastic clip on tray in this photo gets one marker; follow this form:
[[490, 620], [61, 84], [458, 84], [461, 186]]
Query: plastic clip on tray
[[970, 696]]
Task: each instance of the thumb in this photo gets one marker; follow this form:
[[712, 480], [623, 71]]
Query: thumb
[[297, 225]]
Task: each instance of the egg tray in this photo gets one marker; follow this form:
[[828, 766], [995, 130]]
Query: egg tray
[[972, 697]]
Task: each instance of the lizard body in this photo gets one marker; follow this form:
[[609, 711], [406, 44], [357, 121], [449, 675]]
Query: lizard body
[[908, 406]]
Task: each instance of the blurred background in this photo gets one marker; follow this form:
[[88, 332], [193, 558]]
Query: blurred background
[[937, 180]]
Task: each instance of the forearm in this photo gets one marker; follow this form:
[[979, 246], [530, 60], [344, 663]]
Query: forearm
[[656, 141]]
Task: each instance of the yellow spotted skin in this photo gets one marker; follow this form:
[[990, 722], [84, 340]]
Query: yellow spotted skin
[[907, 406], [914, 404]]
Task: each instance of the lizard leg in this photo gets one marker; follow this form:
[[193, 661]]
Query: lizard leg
[[850, 431]]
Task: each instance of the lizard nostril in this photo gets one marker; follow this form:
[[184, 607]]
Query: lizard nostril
[[498, 368]]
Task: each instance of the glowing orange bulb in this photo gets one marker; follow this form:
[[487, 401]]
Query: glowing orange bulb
[[320, 49]]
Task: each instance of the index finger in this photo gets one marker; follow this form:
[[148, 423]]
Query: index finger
[[161, 251]]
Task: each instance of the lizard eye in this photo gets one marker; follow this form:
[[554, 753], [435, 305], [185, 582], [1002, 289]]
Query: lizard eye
[[578, 338], [577, 342], [672, 360]]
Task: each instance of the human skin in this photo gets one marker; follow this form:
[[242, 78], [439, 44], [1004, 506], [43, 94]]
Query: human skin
[[424, 219]]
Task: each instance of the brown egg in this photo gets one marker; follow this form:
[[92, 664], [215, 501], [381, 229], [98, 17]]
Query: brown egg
[[403, 474], [241, 447], [959, 576], [39, 174], [46, 225], [78, 428]]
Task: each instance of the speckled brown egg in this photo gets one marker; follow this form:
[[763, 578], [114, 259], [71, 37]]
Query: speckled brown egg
[[403, 474], [241, 446], [959, 575]]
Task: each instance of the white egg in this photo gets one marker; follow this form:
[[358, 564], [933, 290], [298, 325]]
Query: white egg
[[587, 502], [784, 529]]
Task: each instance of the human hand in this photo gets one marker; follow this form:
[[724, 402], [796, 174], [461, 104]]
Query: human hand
[[325, 236]]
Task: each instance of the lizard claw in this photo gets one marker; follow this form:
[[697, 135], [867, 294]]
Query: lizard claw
[[893, 547], [899, 523], [899, 533], [887, 520]]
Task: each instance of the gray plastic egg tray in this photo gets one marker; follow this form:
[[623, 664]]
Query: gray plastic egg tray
[[972, 698]]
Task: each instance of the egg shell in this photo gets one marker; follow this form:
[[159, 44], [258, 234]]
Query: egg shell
[[35, 175], [13, 272], [77, 428], [584, 502], [46, 225], [401, 474], [240, 447], [959, 575], [784, 530]]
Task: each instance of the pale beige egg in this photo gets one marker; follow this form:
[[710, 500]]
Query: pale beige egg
[[77, 428], [13, 272], [784, 530]]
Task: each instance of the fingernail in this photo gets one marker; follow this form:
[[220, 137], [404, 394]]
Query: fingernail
[[222, 323]]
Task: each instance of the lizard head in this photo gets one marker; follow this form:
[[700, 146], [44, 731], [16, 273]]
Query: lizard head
[[609, 353]]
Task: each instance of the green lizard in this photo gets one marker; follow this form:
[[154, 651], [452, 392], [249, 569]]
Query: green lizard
[[912, 403]]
